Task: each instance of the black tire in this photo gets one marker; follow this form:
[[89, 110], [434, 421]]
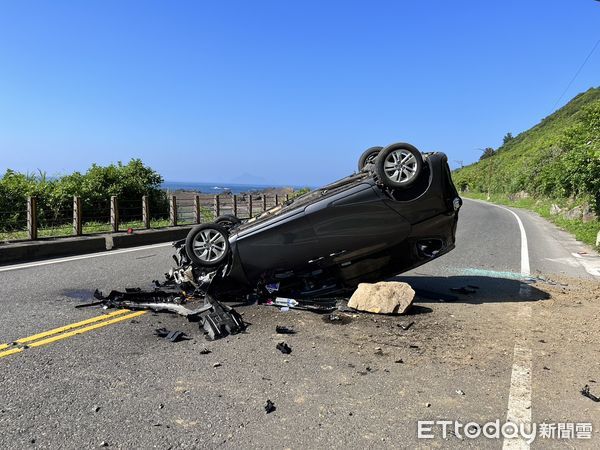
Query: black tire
[[215, 254], [228, 221], [368, 157], [398, 166]]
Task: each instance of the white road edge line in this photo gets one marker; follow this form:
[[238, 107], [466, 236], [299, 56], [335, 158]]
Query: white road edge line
[[590, 264], [76, 258], [519, 397]]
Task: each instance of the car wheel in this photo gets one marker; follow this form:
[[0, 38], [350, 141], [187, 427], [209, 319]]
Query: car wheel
[[228, 221], [368, 157], [207, 244], [398, 165]]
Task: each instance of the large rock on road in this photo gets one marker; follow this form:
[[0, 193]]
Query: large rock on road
[[385, 297]]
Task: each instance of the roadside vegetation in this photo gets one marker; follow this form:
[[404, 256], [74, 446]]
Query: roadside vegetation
[[553, 168], [129, 182]]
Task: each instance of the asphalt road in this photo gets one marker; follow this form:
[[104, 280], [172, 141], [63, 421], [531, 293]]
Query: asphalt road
[[505, 350]]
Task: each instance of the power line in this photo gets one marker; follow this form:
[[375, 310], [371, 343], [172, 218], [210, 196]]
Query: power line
[[576, 74]]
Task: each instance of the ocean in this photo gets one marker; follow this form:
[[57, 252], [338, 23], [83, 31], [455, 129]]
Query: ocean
[[218, 188]]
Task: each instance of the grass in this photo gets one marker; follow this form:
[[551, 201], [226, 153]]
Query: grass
[[88, 228], [583, 231]]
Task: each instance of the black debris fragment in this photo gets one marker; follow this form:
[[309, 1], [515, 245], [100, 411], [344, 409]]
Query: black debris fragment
[[221, 321], [337, 319], [173, 336], [284, 348], [406, 327], [586, 393], [270, 407], [280, 329], [205, 351], [399, 361], [413, 346]]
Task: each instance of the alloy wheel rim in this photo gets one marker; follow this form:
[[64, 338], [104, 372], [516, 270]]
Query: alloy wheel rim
[[400, 166], [209, 245]]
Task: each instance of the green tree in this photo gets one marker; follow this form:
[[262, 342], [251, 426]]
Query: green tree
[[487, 152], [507, 138]]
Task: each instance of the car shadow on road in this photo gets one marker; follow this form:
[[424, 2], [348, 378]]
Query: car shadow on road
[[472, 289]]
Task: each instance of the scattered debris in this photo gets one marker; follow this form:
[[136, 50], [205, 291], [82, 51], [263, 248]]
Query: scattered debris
[[205, 351], [337, 319], [273, 287], [289, 302], [546, 368], [460, 392], [217, 364], [385, 297], [270, 406], [222, 321], [284, 348], [399, 361], [586, 393], [173, 336], [427, 405], [280, 329], [413, 346], [217, 320], [406, 327]]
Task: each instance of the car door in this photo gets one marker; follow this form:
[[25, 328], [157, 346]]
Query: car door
[[355, 223]]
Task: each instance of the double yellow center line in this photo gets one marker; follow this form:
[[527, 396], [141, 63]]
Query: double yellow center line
[[57, 334]]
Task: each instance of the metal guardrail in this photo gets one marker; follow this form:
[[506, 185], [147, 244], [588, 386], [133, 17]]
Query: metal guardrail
[[123, 214]]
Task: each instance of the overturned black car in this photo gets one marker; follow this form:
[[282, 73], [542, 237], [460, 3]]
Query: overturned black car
[[399, 211]]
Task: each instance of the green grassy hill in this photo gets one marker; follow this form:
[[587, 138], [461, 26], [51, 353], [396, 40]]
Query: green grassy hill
[[558, 160]]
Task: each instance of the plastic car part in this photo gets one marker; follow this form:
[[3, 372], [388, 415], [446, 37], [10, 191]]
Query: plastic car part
[[216, 319], [208, 245], [368, 157], [221, 321], [398, 165]]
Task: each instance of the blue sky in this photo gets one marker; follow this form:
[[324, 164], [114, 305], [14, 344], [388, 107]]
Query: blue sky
[[290, 92]]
